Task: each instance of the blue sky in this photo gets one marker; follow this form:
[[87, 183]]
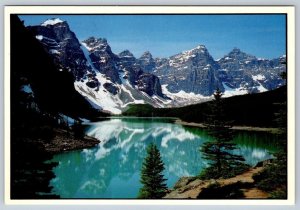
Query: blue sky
[[165, 35]]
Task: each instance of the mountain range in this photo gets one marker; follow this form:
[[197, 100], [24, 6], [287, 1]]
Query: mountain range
[[110, 81]]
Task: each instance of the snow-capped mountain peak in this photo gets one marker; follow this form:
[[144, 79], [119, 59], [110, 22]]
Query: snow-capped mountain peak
[[197, 50], [52, 21], [240, 70], [200, 47], [112, 81]]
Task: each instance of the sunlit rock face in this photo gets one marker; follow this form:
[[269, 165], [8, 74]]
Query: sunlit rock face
[[147, 62], [110, 82], [236, 73], [190, 71], [239, 70]]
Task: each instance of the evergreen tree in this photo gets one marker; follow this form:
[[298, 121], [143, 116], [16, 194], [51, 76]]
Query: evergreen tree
[[151, 175], [273, 178], [222, 162]]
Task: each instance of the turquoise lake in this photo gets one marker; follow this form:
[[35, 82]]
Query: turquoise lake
[[112, 168]]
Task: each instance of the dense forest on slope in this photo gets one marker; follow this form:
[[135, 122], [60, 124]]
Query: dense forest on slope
[[251, 109]]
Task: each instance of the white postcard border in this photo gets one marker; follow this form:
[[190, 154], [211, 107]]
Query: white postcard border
[[289, 10]]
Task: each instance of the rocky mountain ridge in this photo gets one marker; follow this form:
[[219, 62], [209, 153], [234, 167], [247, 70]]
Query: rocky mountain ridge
[[112, 81], [108, 81], [236, 73]]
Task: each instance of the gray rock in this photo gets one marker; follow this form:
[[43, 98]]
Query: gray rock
[[149, 84], [147, 62], [111, 88], [63, 46], [191, 71], [183, 182], [102, 58], [194, 70], [239, 69]]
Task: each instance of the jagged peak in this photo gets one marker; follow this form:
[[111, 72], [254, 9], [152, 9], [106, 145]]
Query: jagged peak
[[146, 54], [201, 46], [93, 39], [93, 43], [235, 49], [198, 49], [236, 52], [126, 53], [52, 21]]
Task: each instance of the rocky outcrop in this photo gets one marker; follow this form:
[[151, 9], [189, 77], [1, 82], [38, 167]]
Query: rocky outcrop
[[102, 58], [99, 74], [149, 84], [111, 88], [66, 141], [191, 187], [186, 78], [129, 68], [121, 67], [147, 62], [238, 69], [63, 46], [190, 71], [196, 71]]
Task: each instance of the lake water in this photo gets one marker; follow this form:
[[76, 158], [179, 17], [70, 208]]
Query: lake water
[[112, 169]]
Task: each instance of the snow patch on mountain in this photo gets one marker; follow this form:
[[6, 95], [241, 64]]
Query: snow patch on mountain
[[54, 51], [258, 77], [100, 98], [233, 91], [86, 53], [183, 98], [39, 37], [261, 88], [87, 47], [52, 22], [111, 82]]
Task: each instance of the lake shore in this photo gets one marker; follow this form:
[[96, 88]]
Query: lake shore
[[241, 128], [193, 187], [65, 141]]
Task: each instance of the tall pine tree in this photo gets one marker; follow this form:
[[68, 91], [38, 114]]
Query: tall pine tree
[[219, 151], [273, 178], [151, 175]]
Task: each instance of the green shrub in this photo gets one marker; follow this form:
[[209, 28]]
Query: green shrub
[[279, 194], [226, 172], [273, 178]]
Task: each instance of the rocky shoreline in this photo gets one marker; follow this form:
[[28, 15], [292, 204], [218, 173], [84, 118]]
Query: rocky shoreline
[[195, 188], [65, 141], [241, 128]]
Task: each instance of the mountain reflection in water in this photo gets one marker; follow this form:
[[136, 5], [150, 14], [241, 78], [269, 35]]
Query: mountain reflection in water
[[112, 168]]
